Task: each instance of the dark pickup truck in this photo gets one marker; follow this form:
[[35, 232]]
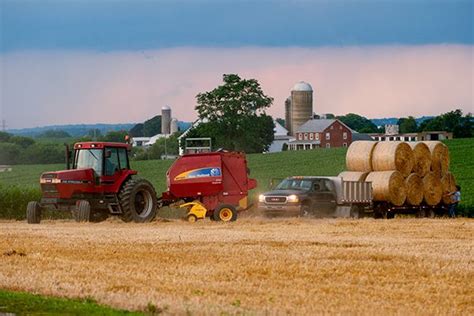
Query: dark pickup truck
[[317, 196]]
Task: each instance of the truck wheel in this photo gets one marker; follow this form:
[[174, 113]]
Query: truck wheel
[[82, 213], [33, 213], [225, 213], [138, 201], [305, 210]]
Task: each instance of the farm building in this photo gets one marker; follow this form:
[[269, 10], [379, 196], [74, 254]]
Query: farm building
[[325, 133], [280, 138], [392, 134]]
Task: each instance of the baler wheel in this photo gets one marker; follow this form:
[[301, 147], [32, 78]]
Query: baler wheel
[[138, 201], [192, 218], [82, 213], [225, 213], [33, 213]]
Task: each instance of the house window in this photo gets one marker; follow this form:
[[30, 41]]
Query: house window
[[300, 137], [332, 126], [317, 136], [328, 145], [344, 135], [328, 136], [311, 136], [340, 127], [344, 144], [305, 136]]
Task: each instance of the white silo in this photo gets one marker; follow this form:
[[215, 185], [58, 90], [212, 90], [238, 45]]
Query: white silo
[[165, 120], [174, 126], [301, 105]]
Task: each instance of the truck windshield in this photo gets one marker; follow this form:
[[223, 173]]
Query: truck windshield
[[294, 184], [89, 158]]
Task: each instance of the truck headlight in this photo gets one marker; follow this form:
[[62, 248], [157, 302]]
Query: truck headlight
[[261, 198], [293, 198]]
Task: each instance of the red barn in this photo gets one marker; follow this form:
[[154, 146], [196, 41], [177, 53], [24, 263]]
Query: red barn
[[324, 133]]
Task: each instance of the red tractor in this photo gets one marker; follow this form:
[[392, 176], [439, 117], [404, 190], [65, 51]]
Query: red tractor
[[99, 183]]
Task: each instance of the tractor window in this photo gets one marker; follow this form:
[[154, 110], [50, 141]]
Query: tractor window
[[112, 164], [122, 152], [89, 158]]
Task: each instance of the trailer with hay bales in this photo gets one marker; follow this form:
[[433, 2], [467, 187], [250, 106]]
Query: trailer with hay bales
[[406, 177], [381, 180]]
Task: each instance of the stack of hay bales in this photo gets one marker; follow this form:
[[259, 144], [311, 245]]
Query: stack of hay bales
[[402, 173]]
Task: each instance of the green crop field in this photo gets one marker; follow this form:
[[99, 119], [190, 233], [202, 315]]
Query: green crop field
[[265, 167]]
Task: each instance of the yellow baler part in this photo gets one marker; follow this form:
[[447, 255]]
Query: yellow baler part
[[197, 209]]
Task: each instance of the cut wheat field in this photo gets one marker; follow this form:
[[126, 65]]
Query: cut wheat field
[[252, 266]]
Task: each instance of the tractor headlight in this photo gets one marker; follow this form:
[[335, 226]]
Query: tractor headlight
[[261, 198], [293, 198]]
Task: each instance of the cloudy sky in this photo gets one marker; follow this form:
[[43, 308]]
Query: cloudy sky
[[110, 61]]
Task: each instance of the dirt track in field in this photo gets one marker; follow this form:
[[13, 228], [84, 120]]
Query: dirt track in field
[[415, 266]]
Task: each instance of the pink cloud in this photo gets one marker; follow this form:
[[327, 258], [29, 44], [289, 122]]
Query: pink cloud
[[55, 87]]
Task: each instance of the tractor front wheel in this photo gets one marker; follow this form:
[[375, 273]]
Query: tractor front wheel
[[225, 213], [82, 213], [138, 201], [33, 213]]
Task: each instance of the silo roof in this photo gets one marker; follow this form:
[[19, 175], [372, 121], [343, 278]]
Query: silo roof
[[302, 86], [165, 107]]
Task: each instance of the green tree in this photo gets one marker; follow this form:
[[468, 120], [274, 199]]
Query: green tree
[[152, 126], [235, 115], [4, 137], [21, 141], [454, 121], [9, 153], [115, 136], [280, 121], [407, 125], [358, 123], [94, 133]]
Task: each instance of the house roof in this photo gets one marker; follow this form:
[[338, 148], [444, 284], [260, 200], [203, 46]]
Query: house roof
[[279, 129], [315, 125]]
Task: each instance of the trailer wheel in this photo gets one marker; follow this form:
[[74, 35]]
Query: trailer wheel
[[138, 201], [33, 213], [82, 213], [356, 212], [225, 213]]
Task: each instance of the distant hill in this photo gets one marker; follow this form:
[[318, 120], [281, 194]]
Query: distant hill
[[394, 120], [79, 130]]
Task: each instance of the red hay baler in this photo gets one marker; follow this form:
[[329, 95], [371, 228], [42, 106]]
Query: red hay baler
[[214, 184]]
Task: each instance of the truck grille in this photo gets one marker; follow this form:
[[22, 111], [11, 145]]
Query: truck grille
[[275, 199]]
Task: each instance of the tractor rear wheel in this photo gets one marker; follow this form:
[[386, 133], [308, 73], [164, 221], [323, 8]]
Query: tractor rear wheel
[[33, 213], [225, 213], [138, 201], [82, 213]]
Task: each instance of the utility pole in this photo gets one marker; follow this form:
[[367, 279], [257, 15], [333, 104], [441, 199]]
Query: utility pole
[[4, 125]]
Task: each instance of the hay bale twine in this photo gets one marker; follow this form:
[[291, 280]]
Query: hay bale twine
[[432, 188], [393, 156], [353, 175], [448, 183], [359, 156], [414, 185], [388, 186], [439, 157], [422, 156]]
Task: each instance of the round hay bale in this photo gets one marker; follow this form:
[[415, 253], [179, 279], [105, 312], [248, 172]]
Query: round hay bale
[[439, 157], [422, 156], [414, 185], [432, 188], [393, 156], [359, 156], [388, 186], [353, 175], [448, 183]]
